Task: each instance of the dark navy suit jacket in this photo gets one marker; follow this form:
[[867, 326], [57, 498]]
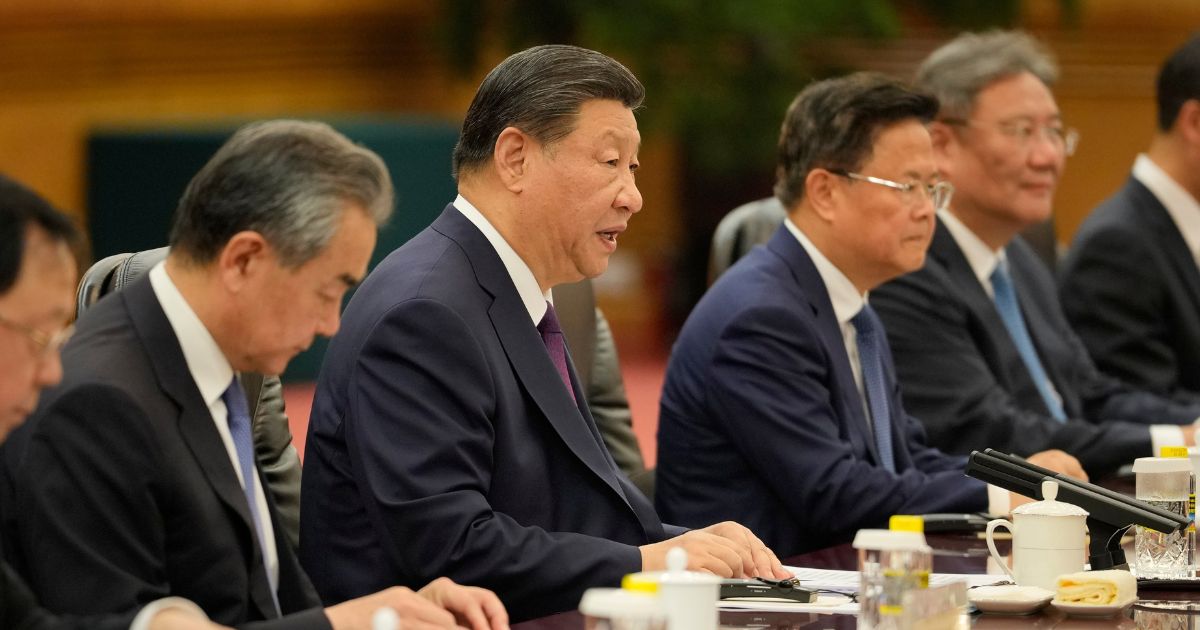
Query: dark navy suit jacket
[[1131, 289], [124, 492], [761, 421], [442, 442], [962, 374]]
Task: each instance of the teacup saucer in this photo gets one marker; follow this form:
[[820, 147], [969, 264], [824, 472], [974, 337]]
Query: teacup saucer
[[1009, 599]]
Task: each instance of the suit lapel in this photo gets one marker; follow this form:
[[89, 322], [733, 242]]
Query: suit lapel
[[966, 285], [1167, 235], [785, 245], [196, 426], [526, 352]]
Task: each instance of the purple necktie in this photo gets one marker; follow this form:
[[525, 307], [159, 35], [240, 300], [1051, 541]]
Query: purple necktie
[[238, 410], [552, 336]]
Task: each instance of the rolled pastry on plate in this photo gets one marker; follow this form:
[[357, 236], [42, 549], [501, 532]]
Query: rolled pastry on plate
[[1096, 588]]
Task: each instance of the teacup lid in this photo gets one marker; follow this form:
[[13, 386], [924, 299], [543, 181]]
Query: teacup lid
[[1050, 506]]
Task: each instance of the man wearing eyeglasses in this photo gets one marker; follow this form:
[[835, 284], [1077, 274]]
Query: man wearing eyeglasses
[[780, 408], [37, 289], [983, 353], [1131, 281]]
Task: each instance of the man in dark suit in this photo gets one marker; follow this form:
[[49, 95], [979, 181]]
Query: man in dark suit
[[984, 354], [1130, 284], [136, 477], [780, 407], [449, 433], [37, 289]]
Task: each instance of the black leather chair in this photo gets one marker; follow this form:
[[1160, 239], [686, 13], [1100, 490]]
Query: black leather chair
[[274, 453], [595, 356], [739, 231]]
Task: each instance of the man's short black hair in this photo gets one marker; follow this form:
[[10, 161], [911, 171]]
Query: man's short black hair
[[833, 124], [1178, 82], [20, 207]]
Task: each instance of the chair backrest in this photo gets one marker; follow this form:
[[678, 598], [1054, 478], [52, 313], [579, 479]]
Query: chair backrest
[[111, 274], [744, 227], [115, 272]]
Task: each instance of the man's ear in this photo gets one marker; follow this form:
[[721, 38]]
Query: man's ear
[[942, 136], [822, 192], [244, 257], [1188, 122], [511, 157]]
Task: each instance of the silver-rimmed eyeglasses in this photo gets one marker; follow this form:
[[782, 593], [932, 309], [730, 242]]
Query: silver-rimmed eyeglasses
[[938, 193], [1065, 139], [45, 343]]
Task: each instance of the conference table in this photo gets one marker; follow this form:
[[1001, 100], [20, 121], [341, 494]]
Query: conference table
[[953, 553]]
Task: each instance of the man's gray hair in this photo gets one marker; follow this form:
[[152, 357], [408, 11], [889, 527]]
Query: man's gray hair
[[288, 180], [956, 72]]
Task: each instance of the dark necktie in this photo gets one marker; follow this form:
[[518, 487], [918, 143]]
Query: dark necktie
[[243, 441], [870, 358], [1010, 312], [552, 336]]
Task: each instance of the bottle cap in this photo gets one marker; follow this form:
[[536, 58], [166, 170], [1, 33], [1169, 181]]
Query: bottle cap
[[890, 540], [1161, 465], [615, 603], [642, 582], [906, 523]]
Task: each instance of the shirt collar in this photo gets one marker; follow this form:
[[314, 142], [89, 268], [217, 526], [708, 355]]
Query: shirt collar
[[982, 259], [846, 299], [1182, 206], [522, 276], [208, 365]]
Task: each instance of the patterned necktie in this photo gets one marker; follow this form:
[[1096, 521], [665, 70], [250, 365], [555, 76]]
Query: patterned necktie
[[870, 359], [243, 441], [1010, 312], [552, 336]]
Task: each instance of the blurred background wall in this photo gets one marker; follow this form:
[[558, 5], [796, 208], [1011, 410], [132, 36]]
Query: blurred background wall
[[719, 75]]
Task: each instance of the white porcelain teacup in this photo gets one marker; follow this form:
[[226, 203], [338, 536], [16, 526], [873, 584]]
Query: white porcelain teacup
[[1048, 540]]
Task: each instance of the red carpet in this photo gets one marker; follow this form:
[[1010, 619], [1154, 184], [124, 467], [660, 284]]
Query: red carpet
[[643, 381]]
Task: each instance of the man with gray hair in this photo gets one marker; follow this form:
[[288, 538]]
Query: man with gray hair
[[450, 434], [983, 353], [136, 477]]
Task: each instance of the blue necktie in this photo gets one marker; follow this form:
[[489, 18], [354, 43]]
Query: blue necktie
[[243, 441], [1010, 312], [870, 359]]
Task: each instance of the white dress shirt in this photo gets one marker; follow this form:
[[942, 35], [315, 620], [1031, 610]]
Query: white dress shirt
[[983, 261], [847, 302], [522, 277], [1181, 205], [213, 374]]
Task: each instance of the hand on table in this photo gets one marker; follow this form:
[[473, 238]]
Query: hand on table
[[725, 549], [1055, 460], [415, 612], [475, 608], [175, 619]]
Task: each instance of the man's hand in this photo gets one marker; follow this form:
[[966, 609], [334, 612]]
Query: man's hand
[[725, 549], [175, 619], [1189, 434], [415, 611], [475, 608], [1059, 462]]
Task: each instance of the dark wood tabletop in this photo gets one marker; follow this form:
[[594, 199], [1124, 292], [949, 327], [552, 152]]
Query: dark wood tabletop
[[958, 553]]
